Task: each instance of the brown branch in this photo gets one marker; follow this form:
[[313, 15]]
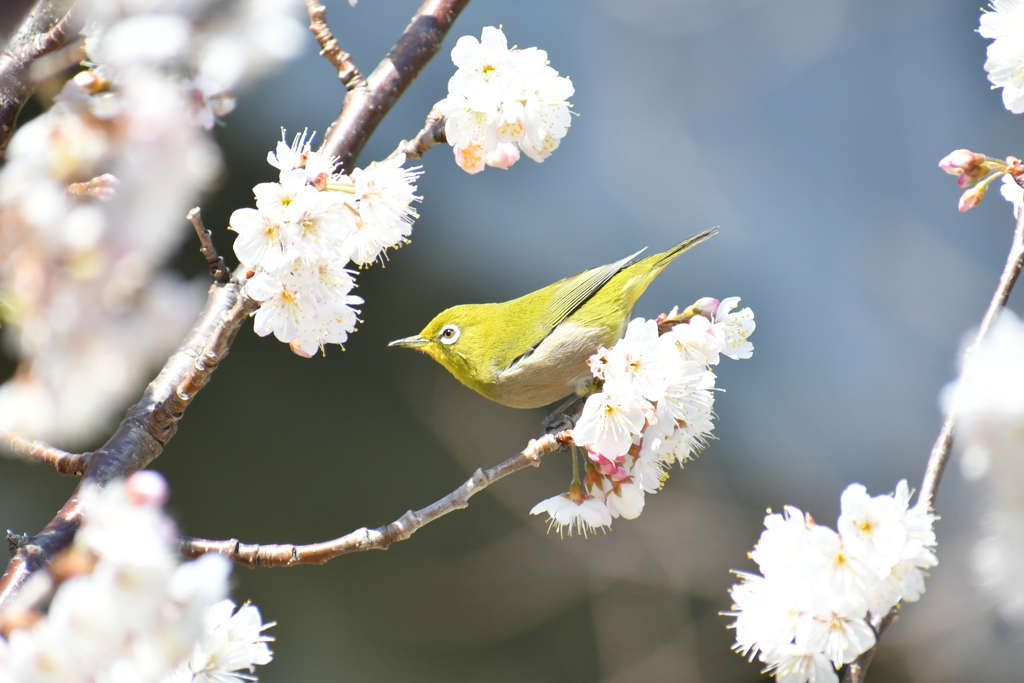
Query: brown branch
[[365, 106], [43, 30], [939, 456], [38, 451], [218, 270], [431, 135], [147, 427], [348, 74], [288, 555], [151, 423]]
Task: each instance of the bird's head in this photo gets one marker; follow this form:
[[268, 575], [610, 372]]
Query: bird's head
[[458, 338]]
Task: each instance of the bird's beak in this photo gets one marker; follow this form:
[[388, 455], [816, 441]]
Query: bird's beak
[[410, 342]]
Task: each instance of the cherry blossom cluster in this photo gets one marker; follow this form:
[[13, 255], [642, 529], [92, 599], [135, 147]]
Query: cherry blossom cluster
[[988, 402], [306, 229], [654, 408], [122, 607], [975, 172], [1005, 63], [809, 612], [93, 197], [501, 101]]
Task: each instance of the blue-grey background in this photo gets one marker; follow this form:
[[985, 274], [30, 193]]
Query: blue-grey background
[[810, 132]]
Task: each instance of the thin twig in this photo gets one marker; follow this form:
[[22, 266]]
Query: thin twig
[[43, 30], [941, 450], [939, 456], [288, 555], [432, 134], [146, 429], [348, 74], [366, 105], [38, 451], [218, 270]]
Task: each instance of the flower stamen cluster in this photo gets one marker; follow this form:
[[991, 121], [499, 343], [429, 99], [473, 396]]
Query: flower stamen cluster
[[501, 101], [809, 611], [307, 228], [654, 406]]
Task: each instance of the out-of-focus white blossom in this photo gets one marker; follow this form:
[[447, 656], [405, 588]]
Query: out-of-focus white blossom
[[92, 200], [656, 403], [231, 642], [808, 612], [304, 232], [989, 406], [1005, 63], [501, 101], [989, 399], [130, 610]]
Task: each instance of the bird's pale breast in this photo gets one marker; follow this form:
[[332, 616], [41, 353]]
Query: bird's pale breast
[[552, 371]]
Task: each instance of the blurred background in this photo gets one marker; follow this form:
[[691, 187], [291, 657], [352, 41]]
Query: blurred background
[[810, 132]]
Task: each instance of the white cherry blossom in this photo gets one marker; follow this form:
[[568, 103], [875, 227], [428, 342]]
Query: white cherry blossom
[[583, 518], [501, 101], [807, 614]]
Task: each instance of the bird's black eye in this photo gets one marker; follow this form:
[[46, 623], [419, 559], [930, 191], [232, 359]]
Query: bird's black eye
[[450, 334]]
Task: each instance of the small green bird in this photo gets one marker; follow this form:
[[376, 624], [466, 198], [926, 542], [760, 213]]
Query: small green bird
[[533, 350]]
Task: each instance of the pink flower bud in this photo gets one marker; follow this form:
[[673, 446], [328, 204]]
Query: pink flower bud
[[147, 487], [961, 161], [503, 156], [971, 198], [705, 307]]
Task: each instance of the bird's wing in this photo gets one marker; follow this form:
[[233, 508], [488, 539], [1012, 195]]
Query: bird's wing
[[576, 289], [571, 293]]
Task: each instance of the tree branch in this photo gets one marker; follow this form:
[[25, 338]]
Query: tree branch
[[348, 74], [287, 555], [43, 30], [218, 270], [939, 456], [366, 105], [147, 427], [151, 423], [37, 451], [432, 134]]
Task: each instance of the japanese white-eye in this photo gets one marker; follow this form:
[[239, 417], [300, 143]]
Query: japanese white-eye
[[533, 350]]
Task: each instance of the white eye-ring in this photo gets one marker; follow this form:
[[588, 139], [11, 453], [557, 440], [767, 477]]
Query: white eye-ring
[[450, 334]]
